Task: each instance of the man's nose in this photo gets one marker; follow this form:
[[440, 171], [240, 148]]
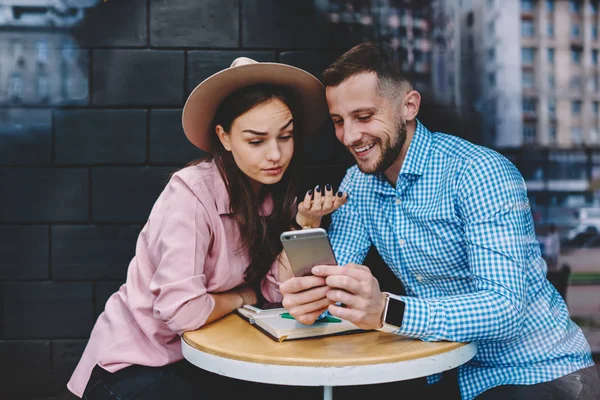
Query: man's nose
[[351, 134]]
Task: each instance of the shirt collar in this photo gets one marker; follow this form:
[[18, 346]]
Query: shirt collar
[[222, 200], [415, 161]]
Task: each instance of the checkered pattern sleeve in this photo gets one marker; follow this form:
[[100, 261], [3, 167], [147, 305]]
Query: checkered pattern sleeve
[[349, 238], [493, 205]]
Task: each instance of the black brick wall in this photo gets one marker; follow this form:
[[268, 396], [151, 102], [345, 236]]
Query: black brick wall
[[77, 181]]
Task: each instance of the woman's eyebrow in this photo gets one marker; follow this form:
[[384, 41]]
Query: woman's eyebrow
[[266, 133], [286, 125]]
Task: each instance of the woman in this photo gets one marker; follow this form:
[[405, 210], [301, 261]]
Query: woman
[[211, 243]]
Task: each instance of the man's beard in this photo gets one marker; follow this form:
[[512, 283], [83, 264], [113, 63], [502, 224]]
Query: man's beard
[[389, 151]]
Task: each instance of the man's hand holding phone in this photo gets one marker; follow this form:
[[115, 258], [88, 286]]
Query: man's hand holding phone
[[305, 297]]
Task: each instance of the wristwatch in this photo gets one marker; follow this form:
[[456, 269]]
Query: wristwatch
[[393, 314]]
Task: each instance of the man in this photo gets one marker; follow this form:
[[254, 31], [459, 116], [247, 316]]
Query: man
[[452, 221]]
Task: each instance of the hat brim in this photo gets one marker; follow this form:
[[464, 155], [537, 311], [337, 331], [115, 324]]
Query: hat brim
[[203, 102]]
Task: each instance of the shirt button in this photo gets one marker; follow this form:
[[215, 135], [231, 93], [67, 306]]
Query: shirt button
[[419, 278], [398, 200], [402, 242]]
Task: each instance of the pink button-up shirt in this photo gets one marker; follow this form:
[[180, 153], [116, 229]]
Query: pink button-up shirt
[[188, 248]]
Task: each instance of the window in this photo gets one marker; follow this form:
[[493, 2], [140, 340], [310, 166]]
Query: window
[[529, 105], [550, 29], [592, 83], [595, 108], [593, 135], [551, 81], [552, 108], [575, 6], [576, 134], [15, 86], [595, 57], [491, 54], [491, 28], [552, 133], [42, 85], [492, 79], [527, 79], [41, 51], [69, 52], [576, 56], [594, 7], [16, 48], [576, 107], [550, 56], [575, 31], [490, 3], [594, 32], [528, 54], [550, 5], [529, 132], [575, 83], [527, 28], [526, 6]]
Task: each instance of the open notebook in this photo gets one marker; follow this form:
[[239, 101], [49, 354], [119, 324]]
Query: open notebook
[[271, 323]]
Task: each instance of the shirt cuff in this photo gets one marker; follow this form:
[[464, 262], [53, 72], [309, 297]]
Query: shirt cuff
[[416, 317]]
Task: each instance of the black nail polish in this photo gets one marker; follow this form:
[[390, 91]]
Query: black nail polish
[[328, 187], [340, 194], [310, 192], [318, 189]]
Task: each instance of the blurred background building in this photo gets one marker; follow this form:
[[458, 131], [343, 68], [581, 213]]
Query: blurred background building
[[90, 129]]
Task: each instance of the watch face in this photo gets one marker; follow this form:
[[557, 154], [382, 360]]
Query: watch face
[[395, 312]]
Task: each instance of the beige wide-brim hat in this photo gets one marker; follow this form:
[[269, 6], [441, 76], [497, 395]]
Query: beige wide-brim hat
[[202, 104]]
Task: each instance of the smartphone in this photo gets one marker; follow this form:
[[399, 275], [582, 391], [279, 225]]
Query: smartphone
[[306, 248]]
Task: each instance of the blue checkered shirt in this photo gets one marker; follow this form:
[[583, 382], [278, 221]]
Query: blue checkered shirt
[[458, 232]]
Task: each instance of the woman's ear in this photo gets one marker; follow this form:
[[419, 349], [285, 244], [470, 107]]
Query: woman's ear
[[223, 137]]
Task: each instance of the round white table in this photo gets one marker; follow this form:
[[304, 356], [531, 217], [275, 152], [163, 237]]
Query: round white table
[[232, 347]]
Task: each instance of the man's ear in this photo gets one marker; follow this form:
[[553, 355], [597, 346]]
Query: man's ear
[[223, 137], [412, 103]]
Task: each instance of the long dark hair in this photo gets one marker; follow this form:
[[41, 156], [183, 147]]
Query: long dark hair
[[259, 234]]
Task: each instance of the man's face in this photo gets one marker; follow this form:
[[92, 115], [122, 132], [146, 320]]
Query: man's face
[[369, 125]]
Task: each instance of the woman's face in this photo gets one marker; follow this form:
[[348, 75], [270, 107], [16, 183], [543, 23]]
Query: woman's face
[[261, 142]]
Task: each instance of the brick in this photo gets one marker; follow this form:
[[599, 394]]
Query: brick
[[207, 23], [203, 63], [27, 371], [138, 77], [277, 24], [25, 252], [126, 194], [65, 356], [100, 136], [126, 19], [168, 143], [314, 62], [92, 252], [25, 137], [47, 310], [43, 195], [103, 291]]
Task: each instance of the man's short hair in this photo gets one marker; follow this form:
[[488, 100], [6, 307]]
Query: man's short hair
[[370, 57]]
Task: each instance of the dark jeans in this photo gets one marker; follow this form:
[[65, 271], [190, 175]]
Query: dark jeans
[[184, 381], [579, 385]]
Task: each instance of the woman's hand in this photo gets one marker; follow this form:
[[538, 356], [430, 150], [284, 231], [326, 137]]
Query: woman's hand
[[317, 203], [247, 294]]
